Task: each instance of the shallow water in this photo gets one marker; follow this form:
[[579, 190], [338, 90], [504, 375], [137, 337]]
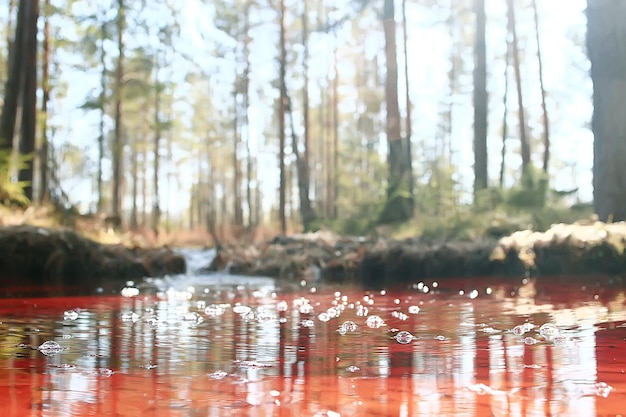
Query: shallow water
[[231, 346]]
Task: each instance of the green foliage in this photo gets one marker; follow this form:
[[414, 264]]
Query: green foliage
[[12, 192], [531, 192]]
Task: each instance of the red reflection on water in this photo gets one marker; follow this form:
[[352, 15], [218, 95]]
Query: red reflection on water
[[233, 352]]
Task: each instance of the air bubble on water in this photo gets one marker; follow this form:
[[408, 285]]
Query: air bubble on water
[[129, 316], [396, 301], [219, 374], [353, 368], [488, 291], [303, 283], [333, 312], [560, 340], [528, 326], [214, 310], [490, 330], [130, 292], [282, 306], [200, 304], [105, 372], [602, 389], [404, 337], [151, 321], [263, 315], [305, 309], [374, 322], [400, 315], [307, 323], [548, 331], [441, 338], [70, 315], [473, 294], [383, 292], [50, 347], [241, 309], [414, 309], [348, 327], [323, 317], [425, 289], [193, 318], [461, 292], [149, 365], [435, 284], [361, 310], [518, 330], [530, 340]]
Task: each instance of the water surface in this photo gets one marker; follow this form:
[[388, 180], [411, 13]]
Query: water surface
[[216, 345]]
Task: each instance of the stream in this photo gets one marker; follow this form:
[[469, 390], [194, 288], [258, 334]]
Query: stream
[[224, 345]]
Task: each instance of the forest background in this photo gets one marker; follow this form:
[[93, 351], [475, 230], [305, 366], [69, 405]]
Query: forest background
[[442, 118]]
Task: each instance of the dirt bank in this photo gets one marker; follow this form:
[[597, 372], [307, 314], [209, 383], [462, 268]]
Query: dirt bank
[[40, 257], [591, 248]]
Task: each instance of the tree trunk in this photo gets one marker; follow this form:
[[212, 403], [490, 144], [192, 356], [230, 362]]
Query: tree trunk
[[103, 82], [505, 124], [303, 163], [399, 195], [156, 207], [607, 52], [281, 122], [525, 146], [544, 109], [14, 79], [29, 97], [118, 144], [44, 188], [407, 99], [480, 100]]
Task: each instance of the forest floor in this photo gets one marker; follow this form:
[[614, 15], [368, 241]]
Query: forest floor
[[34, 246]]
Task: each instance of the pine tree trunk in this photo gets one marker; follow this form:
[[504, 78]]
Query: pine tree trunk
[[118, 144], [399, 195], [544, 109], [29, 97], [607, 52], [281, 122], [480, 101], [524, 143], [44, 188], [14, 79]]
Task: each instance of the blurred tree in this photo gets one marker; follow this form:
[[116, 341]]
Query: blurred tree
[[480, 99], [524, 141], [606, 35], [544, 109], [399, 203]]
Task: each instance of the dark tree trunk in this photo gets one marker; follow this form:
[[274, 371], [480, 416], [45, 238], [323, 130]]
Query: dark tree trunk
[[44, 188], [118, 143], [399, 195], [525, 145], [281, 122], [14, 79], [544, 109], [303, 163], [103, 82], [156, 206], [480, 100], [407, 100], [29, 97], [606, 33]]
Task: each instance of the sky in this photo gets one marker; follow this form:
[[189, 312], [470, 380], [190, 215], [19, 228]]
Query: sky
[[566, 79]]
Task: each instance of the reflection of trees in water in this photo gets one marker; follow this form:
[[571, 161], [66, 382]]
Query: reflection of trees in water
[[169, 363]]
